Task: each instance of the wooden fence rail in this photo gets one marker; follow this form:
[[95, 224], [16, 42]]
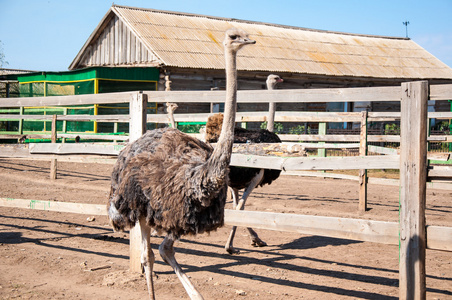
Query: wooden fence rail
[[412, 165], [438, 237]]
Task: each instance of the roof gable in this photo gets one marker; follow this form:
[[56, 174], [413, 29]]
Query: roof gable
[[195, 41], [114, 43]]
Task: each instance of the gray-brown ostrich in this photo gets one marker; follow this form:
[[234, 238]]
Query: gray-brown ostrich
[[243, 178], [272, 81], [174, 183]]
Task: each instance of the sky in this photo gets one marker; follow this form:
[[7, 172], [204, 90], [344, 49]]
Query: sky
[[46, 35]]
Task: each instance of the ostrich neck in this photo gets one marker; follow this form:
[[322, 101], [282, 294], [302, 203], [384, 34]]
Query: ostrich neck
[[223, 149], [171, 119]]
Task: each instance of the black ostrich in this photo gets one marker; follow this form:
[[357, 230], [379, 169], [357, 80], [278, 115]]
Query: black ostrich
[[244, 178], [174, 183]]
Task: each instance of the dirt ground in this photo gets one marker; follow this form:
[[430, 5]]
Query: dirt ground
[[50, 255]]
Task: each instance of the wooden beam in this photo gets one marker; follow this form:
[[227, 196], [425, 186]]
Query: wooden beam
[[413, 176], [123, 97], [439, 237], [316, 163], [79, 118], [440, 171], [362, 206], [441, 92], [75, 149], [282, 96], [67, 136], [137, 127], [355, 229], [76, 208], [53, 161]]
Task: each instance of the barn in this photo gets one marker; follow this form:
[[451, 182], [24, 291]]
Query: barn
[[187, 50], [148, 49]]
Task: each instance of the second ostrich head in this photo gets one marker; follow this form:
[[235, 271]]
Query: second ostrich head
[[272, 81]]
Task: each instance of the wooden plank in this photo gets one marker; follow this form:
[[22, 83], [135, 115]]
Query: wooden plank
[[67, 135], [80, 148], [123, 97], [266, 149], [300, 116], [355, 229], [137, 127], [329, 145], [85, 159], [321, 152], [413, 176], [271, 116], [441, 92], [282, 96], [18, 150], [78, 118], [440, 115], [106, 137], [77, 208], [382, 150], [440, 171], [338, 138], [362, 206], [438, 92], [53, 161], [315, 163], [439, 238]]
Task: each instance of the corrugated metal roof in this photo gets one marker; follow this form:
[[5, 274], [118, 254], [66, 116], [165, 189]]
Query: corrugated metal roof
[[195, 41], [13, 71]]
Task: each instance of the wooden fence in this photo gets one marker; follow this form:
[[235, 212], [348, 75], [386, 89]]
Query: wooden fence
[[410, 233]]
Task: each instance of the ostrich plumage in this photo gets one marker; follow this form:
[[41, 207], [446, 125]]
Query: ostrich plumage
[[176, 184], [240, 177], [150, 181]]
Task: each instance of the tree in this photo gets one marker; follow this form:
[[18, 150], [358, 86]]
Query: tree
[[3, 62]]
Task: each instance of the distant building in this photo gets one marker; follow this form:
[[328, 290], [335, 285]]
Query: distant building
[[188, 52], [8, 82]]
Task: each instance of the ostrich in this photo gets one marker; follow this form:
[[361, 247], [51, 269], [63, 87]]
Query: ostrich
[[272, 81], [170, 108], [174, 183], [244, 178]]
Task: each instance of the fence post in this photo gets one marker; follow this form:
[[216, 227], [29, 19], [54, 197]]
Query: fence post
[[322, 131], [53, 161], [413, 175], [21, 121], [137, 126], [271, 116], [363, 172]]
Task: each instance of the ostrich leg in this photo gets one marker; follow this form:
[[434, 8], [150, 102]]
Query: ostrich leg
[[147, 256], [255, 240], [167, 253]]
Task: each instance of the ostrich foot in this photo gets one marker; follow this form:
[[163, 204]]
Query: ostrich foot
[[232, 250], [255, 240], [258, 243]]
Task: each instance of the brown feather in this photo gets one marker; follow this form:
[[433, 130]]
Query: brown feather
[[163, 177]]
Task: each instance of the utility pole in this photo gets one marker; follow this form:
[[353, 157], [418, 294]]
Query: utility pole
[[406, 23]]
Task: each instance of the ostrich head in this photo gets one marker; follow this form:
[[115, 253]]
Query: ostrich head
[[171, 107], [272, 81], [235, 39]]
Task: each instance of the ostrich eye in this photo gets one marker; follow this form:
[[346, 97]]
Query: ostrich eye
[[233, 37]]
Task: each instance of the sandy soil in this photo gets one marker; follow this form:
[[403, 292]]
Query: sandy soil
[[49, 255]]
